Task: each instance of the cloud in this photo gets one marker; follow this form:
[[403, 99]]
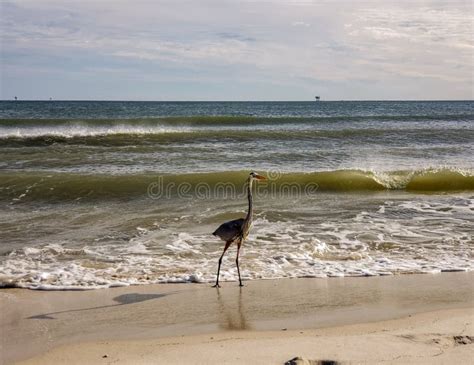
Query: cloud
[[304, 45], [439, 26], [417, 42], [300, 24]]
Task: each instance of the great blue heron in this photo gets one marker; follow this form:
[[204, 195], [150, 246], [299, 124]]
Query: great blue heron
[[237, 230]]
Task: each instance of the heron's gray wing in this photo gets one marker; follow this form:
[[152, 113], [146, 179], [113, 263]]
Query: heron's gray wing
[[229, 230]]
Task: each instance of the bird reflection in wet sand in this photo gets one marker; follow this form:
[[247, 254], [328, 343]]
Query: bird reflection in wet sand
[[229, 317]]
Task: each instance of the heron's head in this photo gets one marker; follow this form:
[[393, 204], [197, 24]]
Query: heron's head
[[254, 176]]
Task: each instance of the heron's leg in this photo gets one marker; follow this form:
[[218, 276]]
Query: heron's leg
[[237, 261], [227, 244]]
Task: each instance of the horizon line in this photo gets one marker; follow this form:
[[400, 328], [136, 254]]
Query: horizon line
[[233, 101]]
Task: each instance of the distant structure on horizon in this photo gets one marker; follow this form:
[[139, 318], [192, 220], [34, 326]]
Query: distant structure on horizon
[[16, 98], [317, 98]]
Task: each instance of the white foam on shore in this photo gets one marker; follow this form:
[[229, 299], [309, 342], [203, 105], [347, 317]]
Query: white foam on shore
[[395, 238]]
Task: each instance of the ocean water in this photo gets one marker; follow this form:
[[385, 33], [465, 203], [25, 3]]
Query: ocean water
[[101, 194]]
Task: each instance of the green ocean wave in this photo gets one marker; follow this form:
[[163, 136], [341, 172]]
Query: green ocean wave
[[128, 135], [24, 186], [219, 120]]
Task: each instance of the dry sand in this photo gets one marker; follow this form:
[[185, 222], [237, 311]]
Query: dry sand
[[424, 319]]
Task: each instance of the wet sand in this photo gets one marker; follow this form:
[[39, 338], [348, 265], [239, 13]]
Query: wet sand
[[400, 319]]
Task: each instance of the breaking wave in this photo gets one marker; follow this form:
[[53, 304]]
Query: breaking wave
[[21, 186]]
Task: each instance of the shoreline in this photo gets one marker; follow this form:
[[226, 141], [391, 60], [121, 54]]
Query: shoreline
[[42, 325], [210, 283]]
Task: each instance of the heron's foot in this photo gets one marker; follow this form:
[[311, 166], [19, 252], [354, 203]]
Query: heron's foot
[[216, 285], [241, 285]]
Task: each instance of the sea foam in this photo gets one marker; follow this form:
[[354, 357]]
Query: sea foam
[[412, 243]]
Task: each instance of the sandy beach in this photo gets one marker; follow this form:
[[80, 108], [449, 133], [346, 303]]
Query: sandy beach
[[400, 319]]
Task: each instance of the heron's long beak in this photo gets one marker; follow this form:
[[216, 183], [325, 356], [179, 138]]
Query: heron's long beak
[[260, 177]]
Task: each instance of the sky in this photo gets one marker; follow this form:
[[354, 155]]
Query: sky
[[236, 50]]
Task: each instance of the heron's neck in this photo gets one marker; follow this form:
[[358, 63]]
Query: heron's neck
[[249, 194]]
